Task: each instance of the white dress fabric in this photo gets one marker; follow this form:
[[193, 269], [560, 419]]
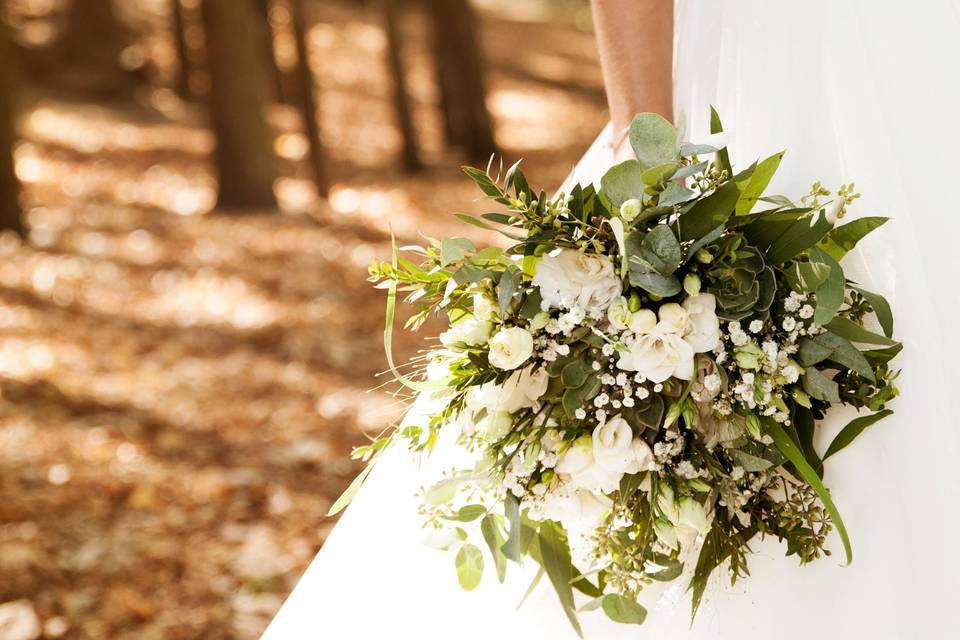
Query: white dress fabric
[[863, 91]]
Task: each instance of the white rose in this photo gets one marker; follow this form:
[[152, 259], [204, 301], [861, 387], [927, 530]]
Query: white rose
[[658, 356], [642, 321], [618, 314], [579, 469], [495, 425], [568, 278], [510, 348], [641, 458], [703, 327], [472, 332], [611, 444], [521, 390], [673, 318]]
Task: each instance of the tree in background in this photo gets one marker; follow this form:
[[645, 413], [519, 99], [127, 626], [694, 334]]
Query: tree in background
[[238, 80], [459, 67], [9, 187], [306, 90], [87, 56], [178, 27], [401, 98]]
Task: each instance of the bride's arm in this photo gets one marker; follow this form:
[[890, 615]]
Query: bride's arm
[[635, 39]]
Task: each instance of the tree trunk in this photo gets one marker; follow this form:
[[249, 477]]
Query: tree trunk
[[87, 54], [401, 98], [9, 187], [306, 94], [238, 78], [178, 30], [276, 74], [459, 66]]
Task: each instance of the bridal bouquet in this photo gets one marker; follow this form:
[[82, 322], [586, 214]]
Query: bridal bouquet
[[637, 381]]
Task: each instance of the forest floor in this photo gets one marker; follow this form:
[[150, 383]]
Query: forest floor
[[180, 390]]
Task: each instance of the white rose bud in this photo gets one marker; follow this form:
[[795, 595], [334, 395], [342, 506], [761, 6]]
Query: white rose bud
[[673, 318], [630, 209], [691, 284], [665, 533], [483, 307], [693, 515], [539, 321], [618, 314], [611, 444], [510, 348], [642, 322], [834, 211]]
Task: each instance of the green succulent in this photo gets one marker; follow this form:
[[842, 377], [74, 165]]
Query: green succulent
[[739, 278]]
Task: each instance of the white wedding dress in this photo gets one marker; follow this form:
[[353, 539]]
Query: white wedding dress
[[863, 91]]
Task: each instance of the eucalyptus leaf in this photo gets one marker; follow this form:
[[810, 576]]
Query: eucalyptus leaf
[[622, 609], [660, 173], [622, 182], [654, 140], [673, 194], [881, 308], [509, 283], [469, 564], [723, 156]]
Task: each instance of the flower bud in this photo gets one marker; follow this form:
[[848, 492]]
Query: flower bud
[[703, 256], [665, 533], [693, 515], [633, 304], [691, 284], [630, 209], [748, 356]]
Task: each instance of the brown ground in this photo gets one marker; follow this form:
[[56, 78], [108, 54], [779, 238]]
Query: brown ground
[[180, 391]]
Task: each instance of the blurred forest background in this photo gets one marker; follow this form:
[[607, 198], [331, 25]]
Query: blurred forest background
[[190, 194]]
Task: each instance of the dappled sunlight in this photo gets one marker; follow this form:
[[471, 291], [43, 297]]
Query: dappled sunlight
[[180, 387]]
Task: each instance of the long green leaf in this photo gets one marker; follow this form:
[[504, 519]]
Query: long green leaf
[[881, 308], [723, 157], [853, 429], [494, 540], [708, 213], [799, 236], [795, 456], [758, 182], [388, 334], [533, 585], [347, 496], [830, 293], [844, 238], [846, 328], [559, 567]]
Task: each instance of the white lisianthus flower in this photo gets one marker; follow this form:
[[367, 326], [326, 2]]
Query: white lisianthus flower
[[472, 332], [580, 470], [642, 321], [522, 390], [495, 425], [641, 458], [673, 318], [703, 327], [483, 307], [618, 314], [568, 279], [612, 444], [658, 356], [510, 348], [575, 509]]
